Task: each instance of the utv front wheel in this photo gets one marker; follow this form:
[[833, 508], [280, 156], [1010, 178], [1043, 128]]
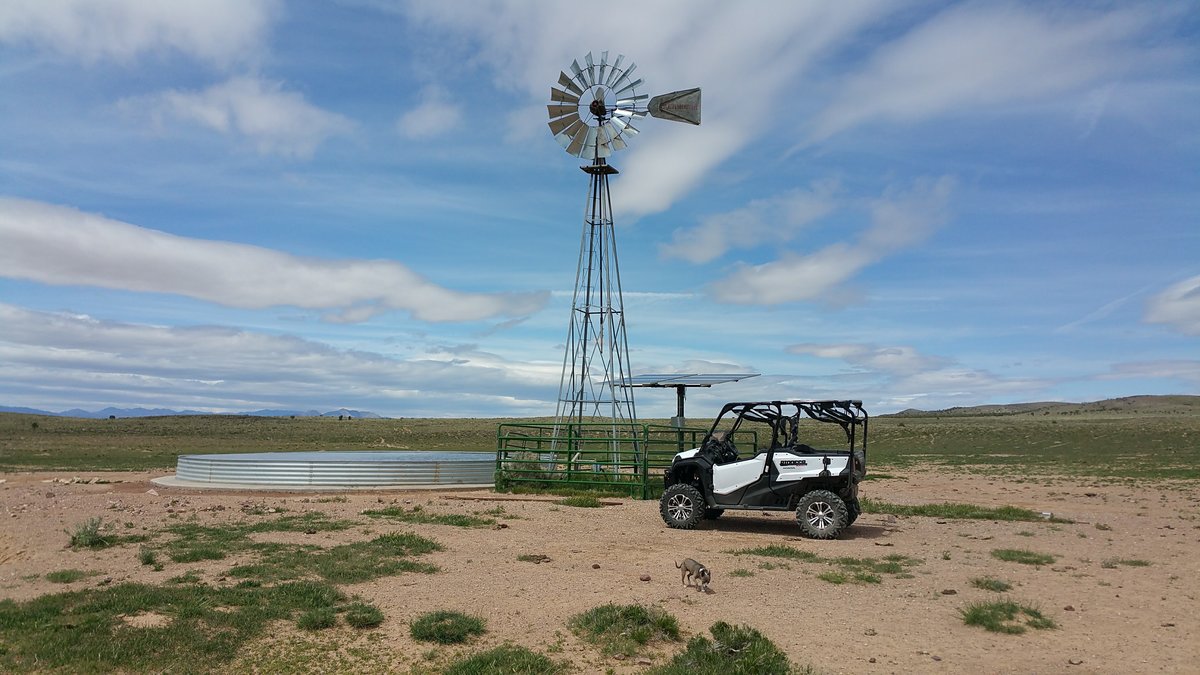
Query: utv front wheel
[[854, 510], [821, 514], [682, 506]]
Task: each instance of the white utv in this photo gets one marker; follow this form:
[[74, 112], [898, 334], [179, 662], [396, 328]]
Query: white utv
[[756, 457]]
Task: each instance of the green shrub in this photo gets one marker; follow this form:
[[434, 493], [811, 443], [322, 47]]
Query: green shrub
[[146, 556], [779, 551], [582, 501], [363, 615], [957, 511], [87, 534], [1005, 616], [317, 619], [419, 515], [734, 650], [622, 629], [1112, 563], [446, 627], [505, 659], [1023, 556], [990, 584], [65, 576], [189, 577]]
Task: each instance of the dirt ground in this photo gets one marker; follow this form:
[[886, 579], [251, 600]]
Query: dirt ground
[[1112, 616]]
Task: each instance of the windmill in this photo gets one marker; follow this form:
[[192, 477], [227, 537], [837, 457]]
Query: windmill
[[592, 115]]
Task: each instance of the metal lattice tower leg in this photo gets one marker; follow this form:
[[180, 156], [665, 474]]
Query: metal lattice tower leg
[[596, 358]]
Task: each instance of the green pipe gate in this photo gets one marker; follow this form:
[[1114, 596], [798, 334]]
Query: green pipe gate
[[624, 456]]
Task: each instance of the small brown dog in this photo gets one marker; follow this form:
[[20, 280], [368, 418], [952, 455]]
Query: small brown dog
[[690, 569]]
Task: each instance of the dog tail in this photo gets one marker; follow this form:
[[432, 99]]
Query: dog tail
[[678, 566]]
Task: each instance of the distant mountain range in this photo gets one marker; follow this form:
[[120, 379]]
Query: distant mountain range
[[163, 412], [1147, 405]]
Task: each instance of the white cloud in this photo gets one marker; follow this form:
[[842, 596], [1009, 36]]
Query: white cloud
[[894, 360], [1178, 306], [76, 360], [989, 54], [217, 31], [63, 246], [774, 220], [903, 377], [434, 116], [1177, 369], [274, 120], [899, 220], [745, 56], [751, 59]]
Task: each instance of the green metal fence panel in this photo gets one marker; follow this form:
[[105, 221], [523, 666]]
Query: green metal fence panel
[[625, 456]]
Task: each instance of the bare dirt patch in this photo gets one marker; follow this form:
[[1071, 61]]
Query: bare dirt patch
[[1113, 613], [146, 620]]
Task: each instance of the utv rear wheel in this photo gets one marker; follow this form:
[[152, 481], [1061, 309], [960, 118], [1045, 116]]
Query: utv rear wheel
[[682, 506], [821, 514]]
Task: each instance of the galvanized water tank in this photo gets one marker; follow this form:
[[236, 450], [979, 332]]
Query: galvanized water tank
[[335, 470]]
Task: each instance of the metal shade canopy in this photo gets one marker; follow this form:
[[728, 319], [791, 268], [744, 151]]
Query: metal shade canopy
[[681, 381], [686, 379]]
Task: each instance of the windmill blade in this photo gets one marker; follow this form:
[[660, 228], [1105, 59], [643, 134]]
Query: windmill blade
[[577, 130], [576, 145], [588, 151], [567, 135], [629, 112], [564, 96], [568, 84], [589, 142], [616, 70], [603, 65], [633, 99], [677, 106], [579, 74], [619, 143], [558, 125], [629, 87], [610, 135], [590, 70], [624, 78], [557, 111], [619, 127]]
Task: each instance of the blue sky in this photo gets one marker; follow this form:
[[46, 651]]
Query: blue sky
[[229, 205]]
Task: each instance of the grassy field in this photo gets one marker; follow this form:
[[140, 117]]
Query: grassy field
[[39, 442], [211, 586], [1148, 441]]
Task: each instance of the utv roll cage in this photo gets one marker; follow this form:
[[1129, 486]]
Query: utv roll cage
[[783, 418]]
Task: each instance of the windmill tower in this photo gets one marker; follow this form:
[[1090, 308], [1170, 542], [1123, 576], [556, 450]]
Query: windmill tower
[[592, 115]]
